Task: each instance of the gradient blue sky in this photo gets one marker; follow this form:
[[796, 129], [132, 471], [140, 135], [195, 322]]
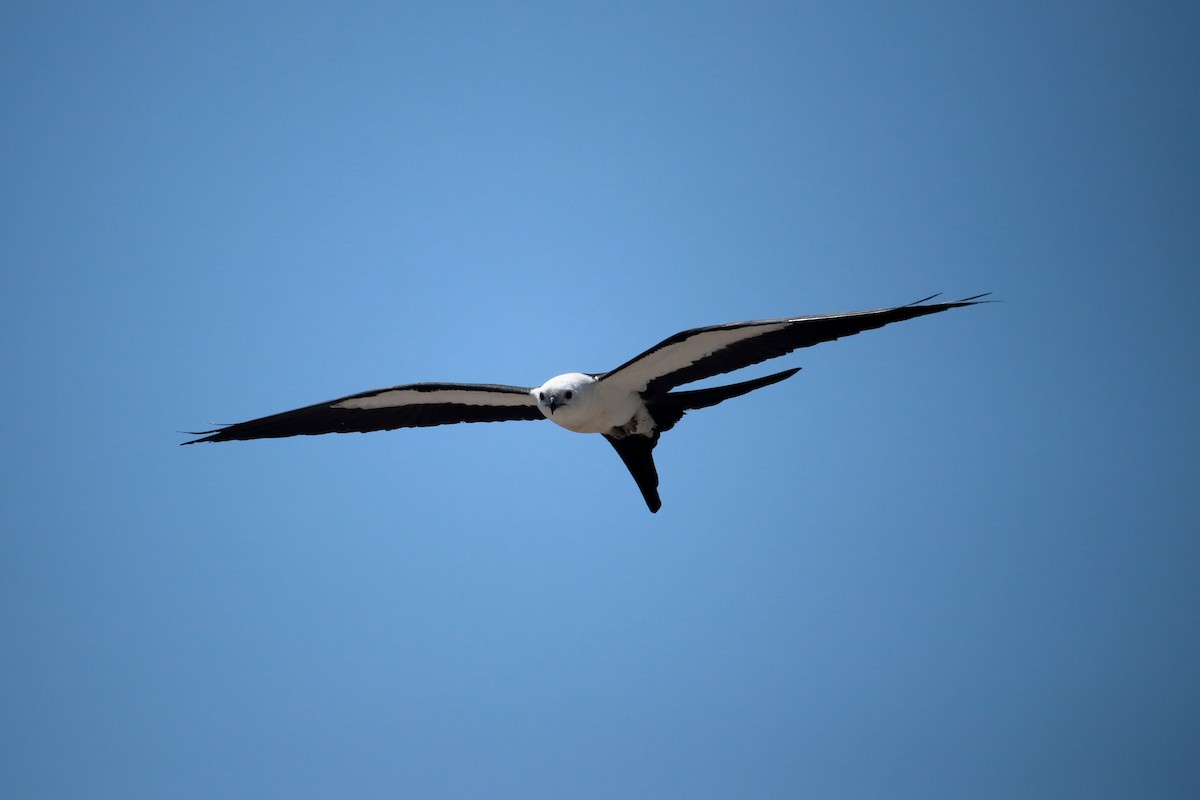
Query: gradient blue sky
[[954, 558]]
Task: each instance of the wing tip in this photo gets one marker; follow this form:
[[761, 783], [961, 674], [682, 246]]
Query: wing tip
[[966, 301], [205, 436]]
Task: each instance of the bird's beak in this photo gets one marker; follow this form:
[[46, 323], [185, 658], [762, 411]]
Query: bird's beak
[[553, 403]]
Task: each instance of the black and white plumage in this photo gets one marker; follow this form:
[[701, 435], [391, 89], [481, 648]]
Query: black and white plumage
[[630, 406]]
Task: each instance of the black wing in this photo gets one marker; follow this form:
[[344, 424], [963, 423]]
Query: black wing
[[704, 352], [416, 405]]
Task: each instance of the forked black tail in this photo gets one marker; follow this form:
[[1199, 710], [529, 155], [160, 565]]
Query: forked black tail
[[637, 452]]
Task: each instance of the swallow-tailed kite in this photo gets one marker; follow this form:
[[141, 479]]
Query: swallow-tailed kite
[[630, 406]]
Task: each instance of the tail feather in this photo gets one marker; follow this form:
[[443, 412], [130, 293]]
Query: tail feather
[[670, 408], [637, 451], [638, 454]]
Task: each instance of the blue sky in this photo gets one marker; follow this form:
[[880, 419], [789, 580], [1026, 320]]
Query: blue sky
[[956, 557]]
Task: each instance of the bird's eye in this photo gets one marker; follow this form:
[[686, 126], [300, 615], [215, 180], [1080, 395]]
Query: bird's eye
[[541, 396], [567, 394]]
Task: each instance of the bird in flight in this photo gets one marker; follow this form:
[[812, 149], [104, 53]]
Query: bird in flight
[[630, 406]]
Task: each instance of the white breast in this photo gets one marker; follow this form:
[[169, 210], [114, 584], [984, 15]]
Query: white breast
[[593, 407]]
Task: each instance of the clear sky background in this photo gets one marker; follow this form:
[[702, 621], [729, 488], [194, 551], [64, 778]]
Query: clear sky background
[[958, 557]]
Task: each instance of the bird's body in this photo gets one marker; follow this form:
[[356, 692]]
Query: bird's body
[[631, 406], [585, 404]]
